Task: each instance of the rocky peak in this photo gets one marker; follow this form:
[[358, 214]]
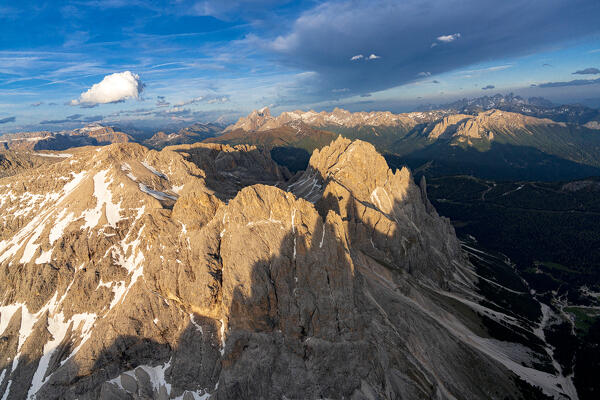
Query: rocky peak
[[355, 180], [253, 121], [264, 112]]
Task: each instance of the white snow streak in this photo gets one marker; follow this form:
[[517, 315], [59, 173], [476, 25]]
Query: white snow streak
[[154, 170], [156, 194], [103, 197]]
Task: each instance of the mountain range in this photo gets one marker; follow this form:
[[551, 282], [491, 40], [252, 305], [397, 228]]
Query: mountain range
[[89, 135], [490, 144], [208, 271], [491, 137], [533, 106], [190, 134]]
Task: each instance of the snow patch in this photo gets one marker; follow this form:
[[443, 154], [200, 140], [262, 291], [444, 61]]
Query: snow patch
[[222, 332], [322, 237], [177, 189], [198, 327], [156, 374], [45, 257], [156, 194], [154, 170], [60, 224], [55, 155], [7, 390], [103, 197]]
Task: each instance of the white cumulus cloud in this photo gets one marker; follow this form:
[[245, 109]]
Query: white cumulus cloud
[[448, 38], [361, 57], [112, 89]]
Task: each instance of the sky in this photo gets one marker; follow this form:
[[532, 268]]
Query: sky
[[157, 63]]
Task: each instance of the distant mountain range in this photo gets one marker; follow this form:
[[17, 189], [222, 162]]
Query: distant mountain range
[[98, 135], [492, 144], [191, 134], [533, 106], [494, 137], [89, 135]]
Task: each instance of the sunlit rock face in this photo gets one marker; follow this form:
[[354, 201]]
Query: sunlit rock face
[[262, 120], [438, 122], [204, 271]]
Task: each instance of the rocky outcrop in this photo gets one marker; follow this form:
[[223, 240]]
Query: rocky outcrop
[[104, 135], [15, 162], [202, 271], [447, 126], [229, 168], [386, 214]]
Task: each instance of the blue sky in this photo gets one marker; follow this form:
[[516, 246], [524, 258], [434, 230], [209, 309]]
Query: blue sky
[[203, 60]]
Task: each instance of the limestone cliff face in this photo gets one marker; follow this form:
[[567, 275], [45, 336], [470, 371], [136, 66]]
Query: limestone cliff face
[[387, 215], [447, 126], [485, 124], [203, 271]]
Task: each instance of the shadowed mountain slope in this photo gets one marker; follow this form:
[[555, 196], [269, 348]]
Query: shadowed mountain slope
[[490, 144]]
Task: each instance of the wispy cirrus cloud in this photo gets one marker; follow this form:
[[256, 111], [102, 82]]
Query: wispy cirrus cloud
[[209, 99], [469, 73], [73, 120]]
